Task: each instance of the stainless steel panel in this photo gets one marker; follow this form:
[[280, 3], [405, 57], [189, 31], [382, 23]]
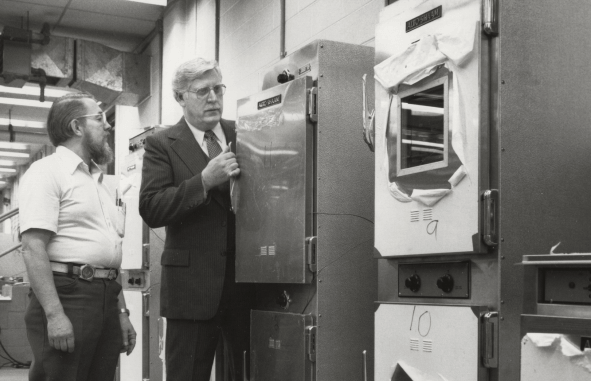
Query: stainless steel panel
[[343, 292], [303, 62], [282, 346], [272, 198]]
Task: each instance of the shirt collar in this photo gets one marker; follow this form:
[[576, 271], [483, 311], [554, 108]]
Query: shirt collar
[[199, 135], [72, 161]]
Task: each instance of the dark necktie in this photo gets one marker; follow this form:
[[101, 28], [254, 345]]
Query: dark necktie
[[213, 147]]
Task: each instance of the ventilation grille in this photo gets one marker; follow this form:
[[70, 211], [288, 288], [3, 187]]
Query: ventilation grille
[[414, 345], [263, 250], [427, 346], [427, 214], [272, 250], [414, 216]]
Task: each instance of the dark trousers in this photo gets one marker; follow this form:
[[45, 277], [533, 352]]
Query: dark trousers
[[92, 310], [191, 344]]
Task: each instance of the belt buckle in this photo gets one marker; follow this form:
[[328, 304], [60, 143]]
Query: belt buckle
[[112, 274], [86, 272]]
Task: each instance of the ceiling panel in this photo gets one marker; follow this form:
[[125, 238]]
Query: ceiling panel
[[117, 25], [118, 7], [14, 14]]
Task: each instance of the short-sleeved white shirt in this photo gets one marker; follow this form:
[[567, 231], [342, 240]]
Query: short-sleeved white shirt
[[60, 193]]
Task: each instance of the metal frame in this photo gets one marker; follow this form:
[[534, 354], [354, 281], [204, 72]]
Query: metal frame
[[443, 80]]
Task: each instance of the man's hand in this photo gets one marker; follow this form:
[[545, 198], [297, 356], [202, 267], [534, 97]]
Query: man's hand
[[128, 334], [61, 333], [220, 169]]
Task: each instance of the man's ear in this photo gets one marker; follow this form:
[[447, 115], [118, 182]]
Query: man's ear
[[179, 98], [75, 126]]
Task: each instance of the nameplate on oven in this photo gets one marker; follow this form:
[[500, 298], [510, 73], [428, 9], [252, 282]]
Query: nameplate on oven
[[424, 19], [269, 102]]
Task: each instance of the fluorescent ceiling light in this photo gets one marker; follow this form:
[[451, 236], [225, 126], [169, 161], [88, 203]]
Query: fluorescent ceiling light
[[153, 2], [34, 90], [7, 163], [2, 169], [25, 102], [2, 182], [22, 123], [8, 145], [14, 154]]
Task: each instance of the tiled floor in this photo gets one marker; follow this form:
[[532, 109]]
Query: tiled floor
[[10, 374]]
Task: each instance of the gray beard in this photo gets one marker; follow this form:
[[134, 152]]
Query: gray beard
[[99, 153]]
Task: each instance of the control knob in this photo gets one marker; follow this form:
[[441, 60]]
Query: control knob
[[283, 300], [446, 283], [413, 283], [285, 76]]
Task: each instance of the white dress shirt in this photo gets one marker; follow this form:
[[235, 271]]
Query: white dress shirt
[[199, 136]]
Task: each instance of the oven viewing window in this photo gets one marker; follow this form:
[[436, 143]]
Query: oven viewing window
[[423, 129]]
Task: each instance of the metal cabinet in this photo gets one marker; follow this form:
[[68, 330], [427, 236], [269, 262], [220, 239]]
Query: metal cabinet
[[304, 211]]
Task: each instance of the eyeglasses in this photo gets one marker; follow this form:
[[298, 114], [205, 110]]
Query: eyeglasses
[[101, 114], [203, 92]]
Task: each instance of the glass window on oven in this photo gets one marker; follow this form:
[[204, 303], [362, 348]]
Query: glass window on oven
[[422, 143]]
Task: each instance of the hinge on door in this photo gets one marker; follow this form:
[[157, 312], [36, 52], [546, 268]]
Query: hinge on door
[[311, 253], [489, 217], [490, 22], [313, 104], [490, 339], [311, 341]]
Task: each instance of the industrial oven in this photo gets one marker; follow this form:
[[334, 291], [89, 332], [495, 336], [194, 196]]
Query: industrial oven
[[304, 212], [140, 272], [480, 157]]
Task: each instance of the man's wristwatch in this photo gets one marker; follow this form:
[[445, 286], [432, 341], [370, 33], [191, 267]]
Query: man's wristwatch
[[124, 311]]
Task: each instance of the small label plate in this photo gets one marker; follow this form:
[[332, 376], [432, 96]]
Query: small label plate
[[424, 19], [269, 102]]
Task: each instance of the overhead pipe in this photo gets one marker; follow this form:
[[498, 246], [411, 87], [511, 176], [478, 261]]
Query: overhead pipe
[[217, 29], [282, 52]]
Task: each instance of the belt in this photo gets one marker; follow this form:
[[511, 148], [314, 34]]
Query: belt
[[85, 272]]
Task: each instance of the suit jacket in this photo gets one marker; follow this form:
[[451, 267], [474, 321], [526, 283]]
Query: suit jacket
[[200, 230]]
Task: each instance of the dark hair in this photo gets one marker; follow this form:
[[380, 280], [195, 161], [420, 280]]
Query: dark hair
[[62, 112]]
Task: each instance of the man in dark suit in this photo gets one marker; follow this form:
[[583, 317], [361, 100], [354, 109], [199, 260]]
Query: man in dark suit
[[185, 187]]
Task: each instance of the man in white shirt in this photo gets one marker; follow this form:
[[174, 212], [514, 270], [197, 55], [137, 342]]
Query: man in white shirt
[[77, 322]]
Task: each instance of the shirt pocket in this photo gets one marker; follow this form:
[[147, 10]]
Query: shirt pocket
[[175, 257]]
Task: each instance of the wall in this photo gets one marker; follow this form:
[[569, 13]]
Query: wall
[[179, 45], [250, 35], [250, 38]]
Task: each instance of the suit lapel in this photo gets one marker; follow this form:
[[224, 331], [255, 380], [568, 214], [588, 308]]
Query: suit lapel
[[230, 132], [187, 148]]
